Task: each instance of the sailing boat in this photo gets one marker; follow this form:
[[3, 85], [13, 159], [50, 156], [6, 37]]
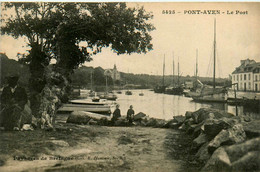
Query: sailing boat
[[158, 88], [177, 89], [212, 94], [109, 95], [128, 92], [196, 84]]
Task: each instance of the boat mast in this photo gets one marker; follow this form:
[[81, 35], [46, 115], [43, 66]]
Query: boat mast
[[214, 65], [196, 72], [178, 72], [172, 68], [163, 68], [91, 79]]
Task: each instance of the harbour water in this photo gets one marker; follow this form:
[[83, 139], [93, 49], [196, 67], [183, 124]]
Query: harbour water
[[166, 106]]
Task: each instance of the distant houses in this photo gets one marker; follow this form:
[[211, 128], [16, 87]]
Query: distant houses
[[247, 75], [113, 73]]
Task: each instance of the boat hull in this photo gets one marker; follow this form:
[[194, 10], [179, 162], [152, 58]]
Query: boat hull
[[217, 98], [88, 108]]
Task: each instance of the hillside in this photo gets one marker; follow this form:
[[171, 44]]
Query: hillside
[[82, 77]]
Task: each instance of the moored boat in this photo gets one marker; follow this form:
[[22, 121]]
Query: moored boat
[[88, 106], [218, 95], [128, 92]]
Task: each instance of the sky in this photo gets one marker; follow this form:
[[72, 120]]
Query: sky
[[179, 35]]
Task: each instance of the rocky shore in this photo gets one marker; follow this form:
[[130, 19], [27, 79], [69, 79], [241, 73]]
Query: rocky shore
[[220, 141]]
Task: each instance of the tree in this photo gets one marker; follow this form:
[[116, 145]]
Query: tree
[[56, 30], [72, 33]]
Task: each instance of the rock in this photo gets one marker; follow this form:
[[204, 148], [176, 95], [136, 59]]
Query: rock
[[219, 161], [189, 127], [122, 121], [92, 122], [160, 123], [179, 119], [151, 122], [172, 124], [203, 154], [139, 116], [203, 116], [249, 162], [238, 150], [233, 135], [182, 127], [207, 113], [246, 118], [103, 121], [252, 128], [188, 114], [78, 117], [200, 140], [213, 126], [199, 128]]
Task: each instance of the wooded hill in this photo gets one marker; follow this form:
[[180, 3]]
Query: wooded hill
[[82, 76]]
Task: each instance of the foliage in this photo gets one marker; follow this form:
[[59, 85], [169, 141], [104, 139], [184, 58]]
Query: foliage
[[72, 33]]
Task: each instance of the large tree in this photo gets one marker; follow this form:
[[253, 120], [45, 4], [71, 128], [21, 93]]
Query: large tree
[[72, 33]]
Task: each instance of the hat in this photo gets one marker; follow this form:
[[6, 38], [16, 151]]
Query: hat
[[131, 106]]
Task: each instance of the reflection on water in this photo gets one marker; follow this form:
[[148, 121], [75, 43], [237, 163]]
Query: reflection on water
[[166, 106]]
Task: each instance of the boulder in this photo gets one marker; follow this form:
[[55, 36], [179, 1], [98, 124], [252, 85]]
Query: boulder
[[139, 116], [160, 123], [219, 161], [182, 127], [207, 113], [203, 154], [172, 124], [151, 122], [213, 126], [200, 140], [189, 127], [188, 114], [233, 135], [239, 150], [202, 117], [248, 162], [179, 119], [199, 128], [122, 121], [252, 128], [92, 122], [103, 121], [78, 117]]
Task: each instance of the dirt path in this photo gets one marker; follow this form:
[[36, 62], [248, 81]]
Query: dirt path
[[91, 148]]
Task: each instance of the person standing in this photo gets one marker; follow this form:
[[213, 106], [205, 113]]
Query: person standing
[[130, 114]]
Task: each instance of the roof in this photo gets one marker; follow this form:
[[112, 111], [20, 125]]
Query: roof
[[255, 68]]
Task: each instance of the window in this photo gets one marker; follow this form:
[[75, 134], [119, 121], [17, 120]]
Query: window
[[237, 78], [256, 77], [249, 85], [244, 76], [249, 76], [240, 77]]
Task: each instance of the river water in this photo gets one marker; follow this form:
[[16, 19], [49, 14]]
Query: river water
[[165, 106]]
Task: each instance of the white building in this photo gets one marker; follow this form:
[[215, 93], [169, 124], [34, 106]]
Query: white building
[[247, 75], [113, 73]]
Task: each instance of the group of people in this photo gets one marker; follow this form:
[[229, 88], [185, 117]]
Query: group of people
[[117, 114]]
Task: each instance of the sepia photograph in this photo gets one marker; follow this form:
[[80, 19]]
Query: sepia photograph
[[130, 86]]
